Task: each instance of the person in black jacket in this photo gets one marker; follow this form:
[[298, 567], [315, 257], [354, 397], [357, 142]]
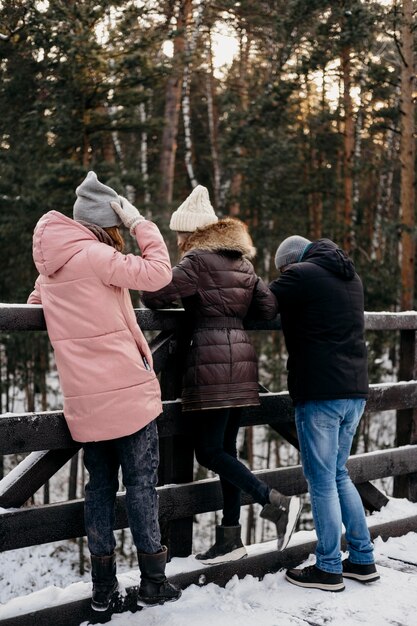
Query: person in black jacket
[[320, 299]]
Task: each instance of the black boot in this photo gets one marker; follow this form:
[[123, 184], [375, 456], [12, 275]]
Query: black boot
[[228, 546], [103, 573], [154, 586]]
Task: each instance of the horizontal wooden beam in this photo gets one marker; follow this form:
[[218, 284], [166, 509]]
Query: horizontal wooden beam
[[56, 522], [17, 317], [27, 432], [258, 566]]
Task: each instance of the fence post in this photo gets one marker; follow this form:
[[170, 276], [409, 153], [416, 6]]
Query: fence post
[[406, 424], [176, 452]]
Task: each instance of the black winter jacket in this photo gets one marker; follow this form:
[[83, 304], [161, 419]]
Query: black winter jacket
[[321, 304], [218, 288]]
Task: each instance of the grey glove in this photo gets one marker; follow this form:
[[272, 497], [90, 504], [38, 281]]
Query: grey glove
[[129, 214]]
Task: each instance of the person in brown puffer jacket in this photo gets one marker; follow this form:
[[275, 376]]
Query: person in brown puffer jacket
[[219, 288]]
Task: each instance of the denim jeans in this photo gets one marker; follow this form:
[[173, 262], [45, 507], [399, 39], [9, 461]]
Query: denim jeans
[[215, 433], [325, 431], [138, 455]]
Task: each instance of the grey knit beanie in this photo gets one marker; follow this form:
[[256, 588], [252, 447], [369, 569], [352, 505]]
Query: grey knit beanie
[[195, 212], [291, 250], [93, 203]]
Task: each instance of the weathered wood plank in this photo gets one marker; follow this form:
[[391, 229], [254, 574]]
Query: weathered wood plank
[[21, 485], [177, 452], [257, 566], [162, 347], [27, 432], [16, 317], [406, 419], [372, 498], [402, 320], [55, 522], [383, 397]]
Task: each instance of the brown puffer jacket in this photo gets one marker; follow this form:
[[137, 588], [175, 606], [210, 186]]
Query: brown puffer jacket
[[218, 288]]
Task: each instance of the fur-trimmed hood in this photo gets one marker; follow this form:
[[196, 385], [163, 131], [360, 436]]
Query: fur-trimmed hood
[[227, 234]]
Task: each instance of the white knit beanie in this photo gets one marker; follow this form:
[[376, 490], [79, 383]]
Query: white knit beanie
[[291, 250], [195, 212], [93, 202]]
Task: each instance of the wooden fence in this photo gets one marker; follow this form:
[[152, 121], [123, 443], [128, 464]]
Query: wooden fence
[[46, 436]]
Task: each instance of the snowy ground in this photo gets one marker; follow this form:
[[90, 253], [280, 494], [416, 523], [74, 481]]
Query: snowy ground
[[270, 602]]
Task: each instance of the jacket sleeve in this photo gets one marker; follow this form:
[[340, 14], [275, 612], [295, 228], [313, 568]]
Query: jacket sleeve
[[150, 271], [35, 296], [264, 305], [184, 283], [287, 288]]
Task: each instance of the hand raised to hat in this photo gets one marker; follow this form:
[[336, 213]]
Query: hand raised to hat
[[129, 214]]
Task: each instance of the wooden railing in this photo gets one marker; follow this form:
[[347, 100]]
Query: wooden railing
[[46, 436]]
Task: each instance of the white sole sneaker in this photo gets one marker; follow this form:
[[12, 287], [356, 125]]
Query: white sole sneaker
[[235, 555], [293, 515], [317, 585]]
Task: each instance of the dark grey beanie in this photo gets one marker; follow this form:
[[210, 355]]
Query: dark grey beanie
[[93, 202], [291, 250]]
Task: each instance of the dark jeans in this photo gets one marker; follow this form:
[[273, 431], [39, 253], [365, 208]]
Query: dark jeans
[[215, 433], [138, 455]]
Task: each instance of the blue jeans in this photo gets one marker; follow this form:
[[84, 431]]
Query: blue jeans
[[138, 455], [325, 432], [215, 433]]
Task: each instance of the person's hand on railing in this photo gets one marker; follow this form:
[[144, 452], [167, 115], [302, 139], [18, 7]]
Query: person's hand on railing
[[129, 214]]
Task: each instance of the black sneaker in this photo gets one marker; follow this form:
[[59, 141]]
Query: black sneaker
[[284, 512], [315, 578], [364, 573]]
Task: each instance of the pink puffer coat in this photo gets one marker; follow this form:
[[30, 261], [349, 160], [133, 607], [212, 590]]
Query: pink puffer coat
[[103, 360]]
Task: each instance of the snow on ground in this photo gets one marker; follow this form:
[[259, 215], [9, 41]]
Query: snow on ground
[[275, 602], [270, 602]]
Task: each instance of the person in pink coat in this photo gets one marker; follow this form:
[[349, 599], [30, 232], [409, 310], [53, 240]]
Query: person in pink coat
[[111, 393]]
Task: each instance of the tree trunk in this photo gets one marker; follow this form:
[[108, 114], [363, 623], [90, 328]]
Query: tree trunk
[[316, 200], [384, 198], [360, 119], [349, 145], [213, 122], [144, 156], [108, 149], [339, 171], [407, 159], [186, 89], [237, 179], [172, 107], [86, 149]]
